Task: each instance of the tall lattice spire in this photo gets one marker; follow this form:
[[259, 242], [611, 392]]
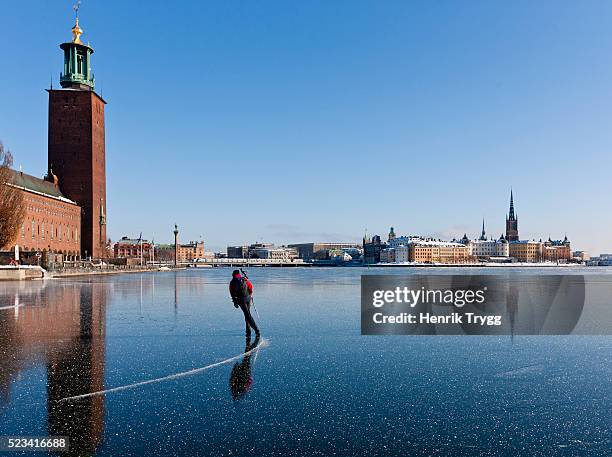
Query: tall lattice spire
[[511, 215], [483, 234], [512, 221]]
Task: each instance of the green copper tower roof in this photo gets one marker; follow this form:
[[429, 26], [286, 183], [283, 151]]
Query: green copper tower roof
[[77, 72]]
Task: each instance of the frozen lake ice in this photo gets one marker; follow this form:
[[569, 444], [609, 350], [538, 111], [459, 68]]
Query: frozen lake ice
[[315, 387]]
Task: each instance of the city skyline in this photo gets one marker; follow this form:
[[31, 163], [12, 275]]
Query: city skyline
[[318, 100]]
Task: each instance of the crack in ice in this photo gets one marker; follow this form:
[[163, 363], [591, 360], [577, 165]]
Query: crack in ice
[[263, 343]]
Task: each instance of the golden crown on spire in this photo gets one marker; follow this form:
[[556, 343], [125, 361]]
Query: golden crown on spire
[[77, 32]]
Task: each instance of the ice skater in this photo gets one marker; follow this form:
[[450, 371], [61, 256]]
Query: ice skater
[[241, 291]]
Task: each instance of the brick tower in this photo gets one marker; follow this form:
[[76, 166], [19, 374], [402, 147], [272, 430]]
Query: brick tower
[[512, 222], [76, 142]]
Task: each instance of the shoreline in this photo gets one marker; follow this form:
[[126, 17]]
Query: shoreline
[[156, 270], [481, 265], [77, 273], [74, 273]]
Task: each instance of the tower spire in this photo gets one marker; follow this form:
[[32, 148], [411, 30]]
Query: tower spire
[[77, 72], [483, 235], [512, 221], [76, 30], [76, 7]]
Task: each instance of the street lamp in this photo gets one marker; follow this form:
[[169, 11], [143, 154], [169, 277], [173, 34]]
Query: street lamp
[[176, 232]]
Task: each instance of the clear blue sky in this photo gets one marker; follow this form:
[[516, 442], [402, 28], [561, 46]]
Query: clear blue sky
[[301, 121]]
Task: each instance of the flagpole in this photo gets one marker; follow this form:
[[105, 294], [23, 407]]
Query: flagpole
[[140, 245]]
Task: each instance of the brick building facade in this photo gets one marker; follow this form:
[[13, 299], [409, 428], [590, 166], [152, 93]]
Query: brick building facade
[[129, 248], [185, 252], [190, 251], [52, 222], [77, 157]]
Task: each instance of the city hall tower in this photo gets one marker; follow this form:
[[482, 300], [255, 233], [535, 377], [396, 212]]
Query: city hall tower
[[76, 142]]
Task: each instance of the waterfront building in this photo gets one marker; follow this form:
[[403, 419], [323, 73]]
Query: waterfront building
[[438, 252], [402, 253], [238, 252], [526, 250], [484, 248], [512, 222], [372, 249], [191, 251], [582, 256], [490, 248], [253, 248], [164, 252], [387, 255], [279, 253], [312, 251], [531, 250], [129, 248], [404, 240], [557, 250], [185, 252], [262, 251], [345, 255], [602, 260], [52, 222]]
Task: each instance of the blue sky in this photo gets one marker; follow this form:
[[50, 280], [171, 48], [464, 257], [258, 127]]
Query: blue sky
[[303, 121]]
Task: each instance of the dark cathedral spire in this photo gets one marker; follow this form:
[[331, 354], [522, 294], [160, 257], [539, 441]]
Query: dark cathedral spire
[[483, 235], [511, 215], [512, 222]]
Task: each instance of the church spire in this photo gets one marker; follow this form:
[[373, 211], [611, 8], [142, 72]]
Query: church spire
[[512, 221], [483, 235], [511, 215]]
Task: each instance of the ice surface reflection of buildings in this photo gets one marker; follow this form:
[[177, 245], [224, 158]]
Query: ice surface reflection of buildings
[[64, 327]]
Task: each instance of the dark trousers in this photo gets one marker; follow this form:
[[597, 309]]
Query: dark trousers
[[248, 318]]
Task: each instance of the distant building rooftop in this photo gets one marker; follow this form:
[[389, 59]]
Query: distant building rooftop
[[131, 241], [437, 243], [191, 244]]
